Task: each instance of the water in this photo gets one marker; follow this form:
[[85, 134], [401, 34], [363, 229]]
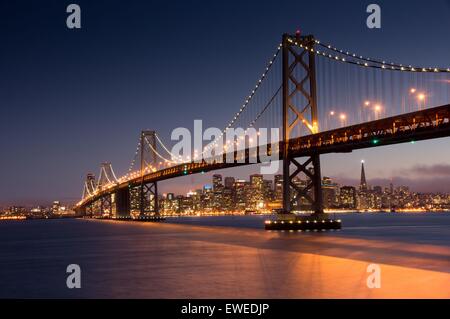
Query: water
[[430, 228], [225, 257]]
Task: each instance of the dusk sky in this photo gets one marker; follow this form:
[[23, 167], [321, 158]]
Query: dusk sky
[[71, 99]]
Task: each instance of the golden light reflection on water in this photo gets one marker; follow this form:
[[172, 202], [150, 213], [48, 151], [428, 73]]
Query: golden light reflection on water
[[212, 262]]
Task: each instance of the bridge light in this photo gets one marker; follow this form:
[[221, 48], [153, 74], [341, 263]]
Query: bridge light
[[375, 141]]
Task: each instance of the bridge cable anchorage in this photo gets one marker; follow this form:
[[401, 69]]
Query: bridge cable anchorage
[[369, 62], [248, 99]]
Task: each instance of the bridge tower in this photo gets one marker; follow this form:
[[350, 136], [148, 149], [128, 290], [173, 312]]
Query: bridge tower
[[300, 114], [106, 176], [148, 201], [90, 185]]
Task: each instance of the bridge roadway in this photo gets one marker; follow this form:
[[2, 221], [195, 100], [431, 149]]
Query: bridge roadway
[[411, 127]]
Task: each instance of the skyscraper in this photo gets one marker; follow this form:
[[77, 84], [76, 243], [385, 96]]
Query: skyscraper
[[217, 182], [240, 187], [363, 184], [257, 191], [278, 181], [347, 197], [217, 192], [329, 192]]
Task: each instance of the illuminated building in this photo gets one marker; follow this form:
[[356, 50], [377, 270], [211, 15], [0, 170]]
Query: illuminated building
[[217, 182], [229, 194], [56, 206], [208, 198], [330, 191], [256, 196], [301, 204], [363, 182], [268, 192], [278, 182], [347, 197], [217, 204], [195, 201], [240, 187], [228, 199], [135, 199]]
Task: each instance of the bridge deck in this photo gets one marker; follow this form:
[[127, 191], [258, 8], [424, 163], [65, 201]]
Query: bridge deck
[[422, 125]]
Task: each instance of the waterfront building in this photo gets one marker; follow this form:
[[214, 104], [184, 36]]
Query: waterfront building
[[347, 197]]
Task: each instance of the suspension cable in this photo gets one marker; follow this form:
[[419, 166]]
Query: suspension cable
[[266, 107], [164, 147], [249, 98], [159, 155], [366, 62]]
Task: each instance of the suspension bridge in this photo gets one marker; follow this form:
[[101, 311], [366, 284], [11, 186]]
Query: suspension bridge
[[322, 99]]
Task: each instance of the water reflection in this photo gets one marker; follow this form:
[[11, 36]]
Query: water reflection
[[132, 260]]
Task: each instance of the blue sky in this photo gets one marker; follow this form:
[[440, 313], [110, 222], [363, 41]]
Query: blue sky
[[71, 99]]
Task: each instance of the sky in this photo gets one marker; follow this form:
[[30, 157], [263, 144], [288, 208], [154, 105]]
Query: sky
[[71, 99]]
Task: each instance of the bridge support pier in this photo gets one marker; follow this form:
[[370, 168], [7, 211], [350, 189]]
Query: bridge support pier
[[309, 190], [122, 199], [90, 210], [148, 192], [149, 199], [106, 205], [300, 116]]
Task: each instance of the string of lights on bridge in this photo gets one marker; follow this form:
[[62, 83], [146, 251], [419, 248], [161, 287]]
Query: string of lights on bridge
[[356, 59], [247, 100], [320, 49], [373, 64]]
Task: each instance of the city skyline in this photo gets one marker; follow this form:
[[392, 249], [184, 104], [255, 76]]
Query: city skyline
[[355, 183], [199, 181], [364, 184], [74, 118], [267, 191]]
